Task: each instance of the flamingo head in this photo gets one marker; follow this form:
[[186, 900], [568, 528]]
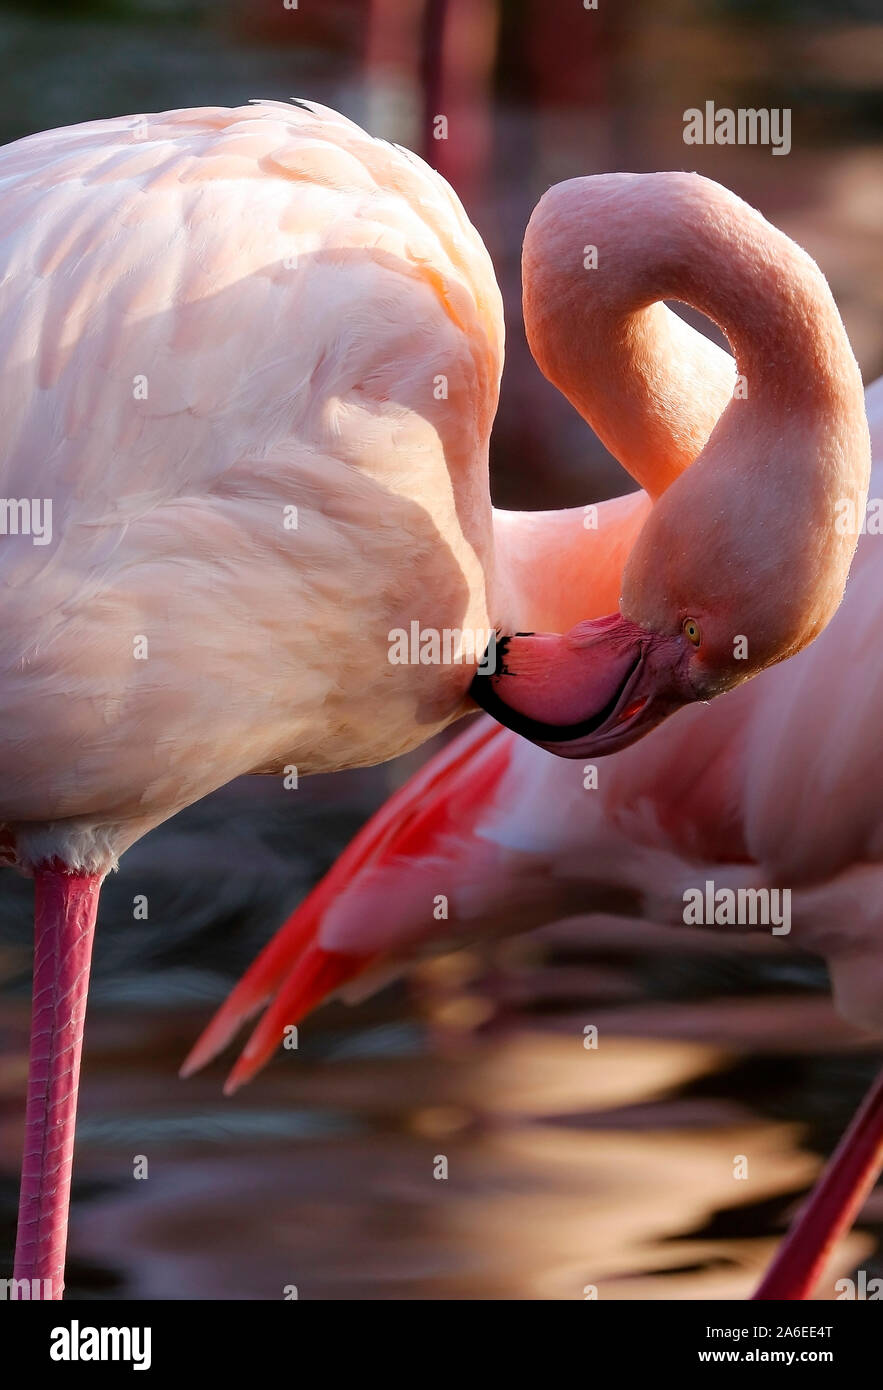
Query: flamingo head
[[717, 587], [591, 691], [744, 554]]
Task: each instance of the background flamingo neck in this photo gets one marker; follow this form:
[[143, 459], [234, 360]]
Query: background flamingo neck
[[65, 906], [555, 569], [652, 387]]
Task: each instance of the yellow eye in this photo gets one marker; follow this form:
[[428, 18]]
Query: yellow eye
[[691, 629]]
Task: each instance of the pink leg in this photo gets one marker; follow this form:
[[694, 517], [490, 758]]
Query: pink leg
[[833, 1205], [65, 906]]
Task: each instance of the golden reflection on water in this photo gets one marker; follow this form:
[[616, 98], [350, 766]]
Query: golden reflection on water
[[571, 1172]]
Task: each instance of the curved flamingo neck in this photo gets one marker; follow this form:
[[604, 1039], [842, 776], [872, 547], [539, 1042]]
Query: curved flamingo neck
[[648, 384]]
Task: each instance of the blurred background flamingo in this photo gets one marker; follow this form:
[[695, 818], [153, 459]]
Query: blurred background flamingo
[[564, 98], [765, 788]]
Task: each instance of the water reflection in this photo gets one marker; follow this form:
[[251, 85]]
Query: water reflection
[[567, 1167]]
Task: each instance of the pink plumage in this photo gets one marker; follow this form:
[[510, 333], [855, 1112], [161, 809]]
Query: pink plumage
[[220, 335]]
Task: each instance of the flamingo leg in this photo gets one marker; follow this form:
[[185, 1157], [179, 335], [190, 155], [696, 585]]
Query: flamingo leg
[[65, 907], [832, 1206]]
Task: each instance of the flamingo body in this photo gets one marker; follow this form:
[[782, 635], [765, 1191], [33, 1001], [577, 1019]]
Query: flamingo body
[[249, 362], [208, 318]]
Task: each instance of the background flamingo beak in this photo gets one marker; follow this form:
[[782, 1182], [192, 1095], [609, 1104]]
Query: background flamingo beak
[[592, 691]]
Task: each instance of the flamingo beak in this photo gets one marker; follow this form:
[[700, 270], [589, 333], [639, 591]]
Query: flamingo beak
[[598, 688]]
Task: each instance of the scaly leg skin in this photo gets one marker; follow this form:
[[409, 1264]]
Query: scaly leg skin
[[65, 907], [833, 1205]]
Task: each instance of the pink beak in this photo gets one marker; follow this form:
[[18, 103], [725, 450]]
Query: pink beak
[[598, 688]]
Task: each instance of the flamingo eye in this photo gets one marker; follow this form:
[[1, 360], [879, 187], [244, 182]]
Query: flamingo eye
[[691, 630]]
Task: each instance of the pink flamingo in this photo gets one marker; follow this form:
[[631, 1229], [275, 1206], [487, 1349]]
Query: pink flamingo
[[250, 365], [514, 838], [769, 786], [257, 355]]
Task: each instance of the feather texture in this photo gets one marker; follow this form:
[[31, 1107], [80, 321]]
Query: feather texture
[[207, 317]]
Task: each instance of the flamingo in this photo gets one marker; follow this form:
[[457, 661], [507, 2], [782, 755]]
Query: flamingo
[[768, 786], [251, 358], [515, 839]]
